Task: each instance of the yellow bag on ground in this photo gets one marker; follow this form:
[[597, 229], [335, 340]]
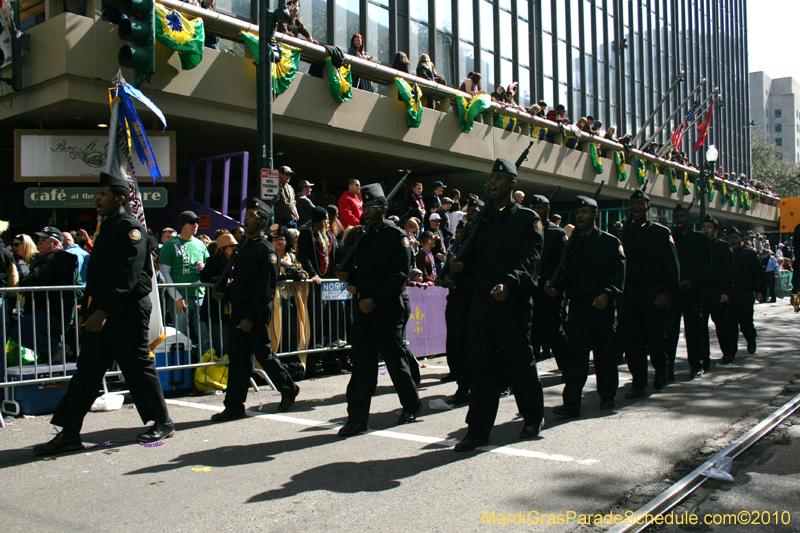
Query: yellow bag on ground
[[208, 378]]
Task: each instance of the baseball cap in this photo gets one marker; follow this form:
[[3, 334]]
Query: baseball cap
[[286, 170], [435, 217], [303, 184], [439, 184], [50, 231]]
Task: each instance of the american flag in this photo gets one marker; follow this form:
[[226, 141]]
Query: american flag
[[677, 136]]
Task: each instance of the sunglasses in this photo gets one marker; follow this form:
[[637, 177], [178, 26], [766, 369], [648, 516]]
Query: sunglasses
[[16, 244]]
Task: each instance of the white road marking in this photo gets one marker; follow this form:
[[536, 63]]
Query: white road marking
[[505, 450]]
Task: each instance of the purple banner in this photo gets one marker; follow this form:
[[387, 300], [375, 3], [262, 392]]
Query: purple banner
[[426, 330]]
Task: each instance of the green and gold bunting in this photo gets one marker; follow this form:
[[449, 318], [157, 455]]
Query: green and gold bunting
[[710, 189], [687, 185], [697, 186], [339, 82], [469, 109], [671, 180], [746, 195], [596, 163], [757, 196], [412, 97], [656, 170], [284, 72], [619, 159], [641, 170], [178, 32], [537, 132], [505, 123]]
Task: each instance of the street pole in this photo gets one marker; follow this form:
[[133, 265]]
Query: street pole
[[669, 120], [267, 22], [706, 175]]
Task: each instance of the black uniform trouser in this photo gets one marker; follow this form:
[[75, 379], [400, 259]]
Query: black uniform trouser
[[413, 365], [689, 304], [499, 334], [770, 279], [457, 344], [643, 326], [547, 330], [378, 332], [741, 317], [590, 329], [719, 313], [124, 339], [243, 345]]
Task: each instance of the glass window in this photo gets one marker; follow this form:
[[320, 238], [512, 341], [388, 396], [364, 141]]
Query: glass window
[[601, 81], [547, 54], [547, 92], [778, 128], [778, 113], [418, 9], [612, 52], [487, 71], [564, 61], [236, 8], [577, 105], [575, 21], [547, 16], [524, 96], [347, 23], [465, 29], [589, 86], [522, 9], [487, 26], [613, 97], [563, 99], [506, 42], [378, 31], [587, 26], [561, 18], [466, 61], [315, 17], [444, 57], [444, 15], [417, 43], [505, 4], [779, 142], [600, 36], [506, 73], [577, 81], [523, 43], [384, 3]]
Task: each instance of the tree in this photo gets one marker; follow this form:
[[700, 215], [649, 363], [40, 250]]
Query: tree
[[771, 167]]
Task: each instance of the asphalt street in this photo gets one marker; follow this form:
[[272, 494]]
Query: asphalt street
[[292, 472]]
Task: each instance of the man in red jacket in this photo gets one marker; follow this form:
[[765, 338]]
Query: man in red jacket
[[350, 204]]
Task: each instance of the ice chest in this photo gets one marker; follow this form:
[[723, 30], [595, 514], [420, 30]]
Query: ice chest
[[37, 398], [174, 381]]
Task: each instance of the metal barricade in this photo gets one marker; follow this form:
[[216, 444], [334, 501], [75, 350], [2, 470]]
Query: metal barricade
[[42, 335]]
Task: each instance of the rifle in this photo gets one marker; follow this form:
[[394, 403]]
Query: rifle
[[555, 279], [524, 156], [347, 263], [550, 199]]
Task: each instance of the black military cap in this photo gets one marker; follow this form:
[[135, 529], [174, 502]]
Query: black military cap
[[373, 191], [319, 214], [735, 230], [639, 194], [679, 207], [474, 201], [50, 231], [263, 211], [585, 201], [111, 180], [540, 199], [711, 219], [504, 166]]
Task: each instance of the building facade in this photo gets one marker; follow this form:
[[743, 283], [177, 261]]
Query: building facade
[[775, 109]]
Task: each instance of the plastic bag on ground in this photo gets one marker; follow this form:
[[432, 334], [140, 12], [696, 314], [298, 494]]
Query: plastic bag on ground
[[721, 470], [439, 404], [108, 402]]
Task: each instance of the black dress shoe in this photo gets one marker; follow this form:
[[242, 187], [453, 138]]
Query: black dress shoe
[[751, 347], [659, 382], [408, 416], [727, 359], [447, 379], [634, 394], [287, 400], [459, 399], [670, 376], [63, 442], [228, 414], [157, 432], [607, 405], [565, 412], [352, 428], [696, 372], [532, 431], [470, 443], [505, 392]]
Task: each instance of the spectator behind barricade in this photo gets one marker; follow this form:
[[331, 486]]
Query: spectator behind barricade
[[83, 240], [471, 84], [304, 204], [167, 234], [54, 267], [519, 197], [555, 219], [401, 62], [350, 205], [295, 27], [285, 204], [238, 233], [415, 279], [73, 248], [455, 194], [317, 247], [433, 201], [415, 204], [336, 225], [8, 278], [215, 316], [439, 246], [213, 246], [206, 240], [358, 48], [348, 238], [25, 252], [445, 226], [284, 242], [424, 260], [771, 268], [182, 259], [412, 228]]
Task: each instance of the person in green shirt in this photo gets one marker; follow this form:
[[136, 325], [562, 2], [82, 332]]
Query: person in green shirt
[[182, 258]]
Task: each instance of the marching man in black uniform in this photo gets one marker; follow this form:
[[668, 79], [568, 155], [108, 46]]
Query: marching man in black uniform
[[503, 264], [651, 279], [593, 277], [251, 292], [748, 279], [694, 259], [547, 330], [717, 292], [116, 320], [379, 275]]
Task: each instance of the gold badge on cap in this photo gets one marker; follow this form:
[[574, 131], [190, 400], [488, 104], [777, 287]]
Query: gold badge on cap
[[273, 258], [406, 242], [501, 167], [538, 226], [621, 250], [671, 239], [135, 234]]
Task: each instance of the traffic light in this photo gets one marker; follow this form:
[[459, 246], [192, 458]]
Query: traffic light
[[136, 20]]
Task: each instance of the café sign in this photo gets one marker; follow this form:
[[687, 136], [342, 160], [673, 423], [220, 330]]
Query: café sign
[[83, 197]]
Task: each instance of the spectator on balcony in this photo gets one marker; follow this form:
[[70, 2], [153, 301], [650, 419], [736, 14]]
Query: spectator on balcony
[[557, 114], [350, 205], [285, 204], [305, 207], [358, 48], [542, 108], [499, 96], [471, 84], [427, 70], [401, 62], [295, 27]]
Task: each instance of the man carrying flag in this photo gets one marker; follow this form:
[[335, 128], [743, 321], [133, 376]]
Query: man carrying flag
[[701, 137], [677, 136]]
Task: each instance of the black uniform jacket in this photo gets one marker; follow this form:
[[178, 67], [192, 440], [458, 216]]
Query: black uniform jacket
[[694, 257], [554, 240], [595, 264], [51, 269], [120, 272], [651, 260], [382, 264], [721, 279], [747, 272], [254, 275]]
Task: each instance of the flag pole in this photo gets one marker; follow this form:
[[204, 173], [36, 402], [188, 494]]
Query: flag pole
[[677, 110], [679, 78], [698, 116]]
